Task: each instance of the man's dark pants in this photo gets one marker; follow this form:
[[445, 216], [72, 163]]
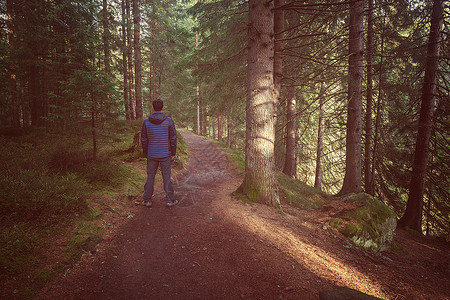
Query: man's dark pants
[[152, 168]]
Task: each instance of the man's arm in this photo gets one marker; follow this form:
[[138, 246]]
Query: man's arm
[[144, 139], [172, 138]]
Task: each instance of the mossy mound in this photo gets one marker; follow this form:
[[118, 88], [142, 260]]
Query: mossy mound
[[370, 225], [296, 193]]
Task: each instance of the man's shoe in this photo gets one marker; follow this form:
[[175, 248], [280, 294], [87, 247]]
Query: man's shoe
[[147, 203], [170, 204]]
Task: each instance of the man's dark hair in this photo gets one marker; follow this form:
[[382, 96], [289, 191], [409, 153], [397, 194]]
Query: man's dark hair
[[158, 105]]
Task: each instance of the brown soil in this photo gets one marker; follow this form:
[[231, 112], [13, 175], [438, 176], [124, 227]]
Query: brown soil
[[212, 245]]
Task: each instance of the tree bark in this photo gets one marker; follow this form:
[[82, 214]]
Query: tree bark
[[106, 38], [290, 166], [26, 111], [352, 178], [319, 156], [412, 217], [12, 65], [126, 90], [378, 112], [35, 97], [153, 63], [93, 126], [231, 135], [131, 93], [203, 123], [368, 126], [260, 183], [219, 127], [213, 124], [137, 59], [278, 28]]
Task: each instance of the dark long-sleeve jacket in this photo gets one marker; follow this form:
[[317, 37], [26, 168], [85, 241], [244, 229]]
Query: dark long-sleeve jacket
[[158, 136]]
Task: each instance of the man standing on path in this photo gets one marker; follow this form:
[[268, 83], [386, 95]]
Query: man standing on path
[[159, 142]]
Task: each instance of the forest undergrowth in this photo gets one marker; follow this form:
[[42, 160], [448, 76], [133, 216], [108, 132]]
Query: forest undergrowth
[[52, 191]]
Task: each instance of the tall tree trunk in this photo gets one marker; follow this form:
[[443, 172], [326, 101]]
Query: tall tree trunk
[[352, 179], [219, 127], [12, 65], [150, 82], [429, 220], [376, 137], [412, 217], [231, 136], [198, 93], [44, 91], [152, 62], [378, 112], [60, 57], [160, 71], [368, 133], [319, 156], [204, 119], [278, 27], [228, 130], [126, 90], [260, 182], [131, 93], [35, 96], [93, 126], [202, 111], [106, 38], [137, 59], [213, 123], [198, 113], [26, 111], [290, 166]]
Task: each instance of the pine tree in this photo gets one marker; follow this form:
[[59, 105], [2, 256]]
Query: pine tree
[[137, 58], [352, 179], [368, 119], [126, 88], [260, 183], [412, 217]]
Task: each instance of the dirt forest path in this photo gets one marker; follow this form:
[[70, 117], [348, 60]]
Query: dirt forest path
[[212, 246]]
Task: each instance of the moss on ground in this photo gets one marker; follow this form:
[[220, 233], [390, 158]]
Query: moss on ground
[[299, 194], [370, 225], [87, 235]]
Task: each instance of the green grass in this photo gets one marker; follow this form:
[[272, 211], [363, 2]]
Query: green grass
[[236, 157], [182, 151], [87, 235]]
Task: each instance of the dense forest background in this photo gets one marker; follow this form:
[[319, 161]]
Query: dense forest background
[[66, 63]]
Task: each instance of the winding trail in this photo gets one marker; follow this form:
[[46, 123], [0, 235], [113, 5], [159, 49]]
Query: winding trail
[[212, 246], [185, 252]]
